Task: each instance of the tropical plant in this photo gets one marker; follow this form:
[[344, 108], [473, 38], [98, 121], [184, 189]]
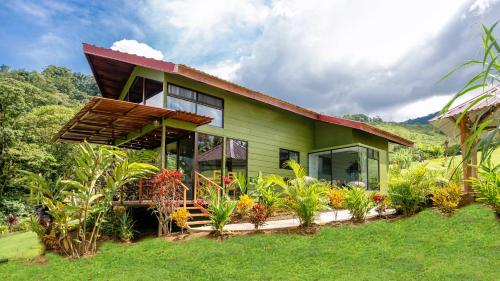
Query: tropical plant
[[304, 196], [126, 230], [241, 181], [102, 172], [258, 215], [337, 199], [489, 75], [266, 194], [405, 196], [220, 210], [11, 221], [166, 199], [447, 198], [358, 202], [487, 185], [244, 205], [180, 217], [380, 203]]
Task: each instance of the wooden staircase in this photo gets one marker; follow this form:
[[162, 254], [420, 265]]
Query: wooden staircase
[[199, 216]]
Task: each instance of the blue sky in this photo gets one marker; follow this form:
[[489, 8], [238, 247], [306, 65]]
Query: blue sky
[[376, 57]]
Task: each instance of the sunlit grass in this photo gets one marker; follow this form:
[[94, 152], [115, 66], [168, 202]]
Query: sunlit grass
[[19, 245], [427, 246]]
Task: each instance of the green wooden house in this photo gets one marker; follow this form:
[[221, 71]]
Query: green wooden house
[[211, 127]]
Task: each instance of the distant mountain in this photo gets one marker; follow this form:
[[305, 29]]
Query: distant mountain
[[421, 120]]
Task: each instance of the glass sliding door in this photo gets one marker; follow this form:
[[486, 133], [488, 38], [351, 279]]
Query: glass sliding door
[[209, 157], [186, 160], [172, 155]]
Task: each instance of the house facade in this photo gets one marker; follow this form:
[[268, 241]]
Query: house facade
[[204, 124]]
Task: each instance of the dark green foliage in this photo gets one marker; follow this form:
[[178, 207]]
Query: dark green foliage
[[33, 107]]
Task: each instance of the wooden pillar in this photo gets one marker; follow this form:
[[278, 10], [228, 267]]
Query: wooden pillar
[[163, 143], [466, 164]]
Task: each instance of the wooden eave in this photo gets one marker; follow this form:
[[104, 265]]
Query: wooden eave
[[104, 121]]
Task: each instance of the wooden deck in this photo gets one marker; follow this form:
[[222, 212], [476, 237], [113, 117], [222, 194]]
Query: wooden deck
[[141, 203]]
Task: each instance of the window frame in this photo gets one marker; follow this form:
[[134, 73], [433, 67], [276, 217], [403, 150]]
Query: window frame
[[195, 101], [288, 152], [367, 157]]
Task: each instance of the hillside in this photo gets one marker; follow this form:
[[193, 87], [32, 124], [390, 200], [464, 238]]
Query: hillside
[[419, 133], [421, 120]]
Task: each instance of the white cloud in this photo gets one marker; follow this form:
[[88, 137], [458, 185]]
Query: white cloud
[[137, 48], [337, 57], [226, 69], [481, 6]]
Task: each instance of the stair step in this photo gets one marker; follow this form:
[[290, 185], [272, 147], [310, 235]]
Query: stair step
[[198, 215], [194, 208], [199, 222]]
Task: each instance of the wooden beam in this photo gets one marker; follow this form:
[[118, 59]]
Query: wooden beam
[[139, 133]]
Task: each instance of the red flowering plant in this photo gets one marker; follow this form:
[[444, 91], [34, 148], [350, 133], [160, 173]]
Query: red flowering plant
[[381, 203], [167, 193], [258, 215]]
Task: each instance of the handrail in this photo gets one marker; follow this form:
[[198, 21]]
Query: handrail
[[211, 182], [186, 189]]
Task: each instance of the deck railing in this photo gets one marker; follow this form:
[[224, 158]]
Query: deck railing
[[202, 187]]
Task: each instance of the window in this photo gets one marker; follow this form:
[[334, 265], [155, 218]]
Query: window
[[236, 157], [286, 155], [191, 101], [146, 91], [346, 166], [373, 169], [210, 156]]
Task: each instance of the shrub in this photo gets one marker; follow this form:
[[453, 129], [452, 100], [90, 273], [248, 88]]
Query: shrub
[[244, 205], [11, 221], [408, 190], [358, 202], [337, 199], [447, 198], [380, 202], [266, 194], [304, 196], [220, 212], [487, 185], [406, 198], [166, 197], [258, 215], [180, 217], [125, 226], [4, 229]]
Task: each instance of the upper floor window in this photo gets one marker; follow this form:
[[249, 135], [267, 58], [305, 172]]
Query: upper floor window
[[286, 155], [180, 98], [146, 91]]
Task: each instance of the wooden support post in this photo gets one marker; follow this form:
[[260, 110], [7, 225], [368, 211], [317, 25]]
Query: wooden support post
[[140, 189], [464, 134], [163, 144], [185, 195], [195, 187]]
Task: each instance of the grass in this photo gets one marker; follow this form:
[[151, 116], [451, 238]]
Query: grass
[[19, 245], [442, 162], [427, 246]]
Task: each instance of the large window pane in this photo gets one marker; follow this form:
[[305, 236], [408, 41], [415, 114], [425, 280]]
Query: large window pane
[[182, 105], [320, 165], [181, 92], [210, 156], [156, 100], [209, 100], [172, 155], [216, 114], [346, 166], [373, 169], [236, 157]]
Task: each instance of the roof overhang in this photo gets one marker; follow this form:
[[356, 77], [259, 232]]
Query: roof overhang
[[108, 121], [487, 108], [112, 68]]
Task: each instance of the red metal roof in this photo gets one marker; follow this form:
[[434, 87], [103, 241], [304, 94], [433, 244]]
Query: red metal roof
[[106, 62]]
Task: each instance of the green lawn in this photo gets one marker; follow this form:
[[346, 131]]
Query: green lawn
[[440, 162], [425, 247], [22, 245]]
